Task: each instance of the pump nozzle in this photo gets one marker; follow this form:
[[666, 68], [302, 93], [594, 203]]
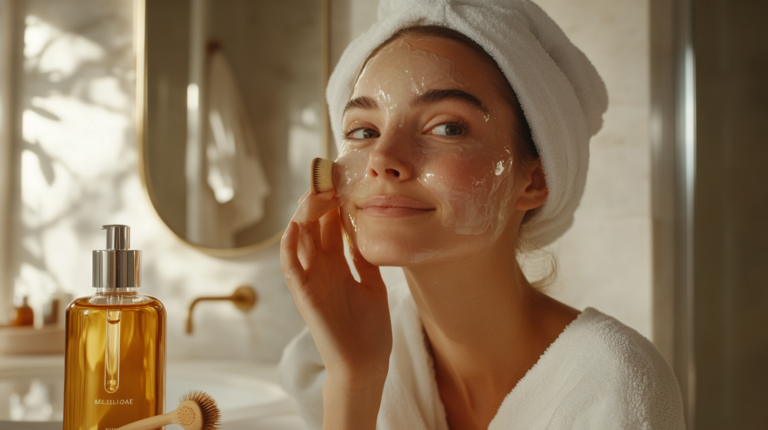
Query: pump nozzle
[[118, 266], [118, 236]]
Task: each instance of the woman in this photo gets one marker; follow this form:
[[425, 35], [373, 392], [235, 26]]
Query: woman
[[440, 172]]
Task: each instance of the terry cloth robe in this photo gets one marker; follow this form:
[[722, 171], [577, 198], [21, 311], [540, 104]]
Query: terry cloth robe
[[598, 374]]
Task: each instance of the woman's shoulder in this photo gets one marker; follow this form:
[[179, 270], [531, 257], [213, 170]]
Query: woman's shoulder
[[618, 369], [610, 345], [598, 374], [606, 340]]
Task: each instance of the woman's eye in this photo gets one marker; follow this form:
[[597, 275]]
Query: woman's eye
[[448, 130], [362, 133]]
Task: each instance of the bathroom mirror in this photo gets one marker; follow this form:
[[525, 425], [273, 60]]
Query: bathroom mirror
[[231, 111]]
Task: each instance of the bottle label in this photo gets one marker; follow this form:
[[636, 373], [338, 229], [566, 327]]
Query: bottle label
[[113, 402]]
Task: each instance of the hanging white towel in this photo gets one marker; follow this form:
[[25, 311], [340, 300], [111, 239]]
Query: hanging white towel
[[598, 375], [233, 169]]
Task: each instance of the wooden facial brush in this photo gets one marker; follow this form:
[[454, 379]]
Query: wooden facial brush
[[322, 180], [197, 411], [322, 175]]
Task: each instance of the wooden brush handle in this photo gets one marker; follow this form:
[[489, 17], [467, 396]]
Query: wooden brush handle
[[151, 423]]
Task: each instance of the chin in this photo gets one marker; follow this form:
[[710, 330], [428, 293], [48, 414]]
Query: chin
[[387, 250], [383, 256], [391, 250]]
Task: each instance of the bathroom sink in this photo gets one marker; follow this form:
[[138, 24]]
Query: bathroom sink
[[32, 391]]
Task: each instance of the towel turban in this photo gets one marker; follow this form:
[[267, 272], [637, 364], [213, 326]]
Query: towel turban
[[562, 95]]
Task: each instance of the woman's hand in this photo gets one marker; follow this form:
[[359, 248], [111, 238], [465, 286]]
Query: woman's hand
[[348, 320]]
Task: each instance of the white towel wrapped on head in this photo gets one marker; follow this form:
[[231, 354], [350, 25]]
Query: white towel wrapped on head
[[561, 93]]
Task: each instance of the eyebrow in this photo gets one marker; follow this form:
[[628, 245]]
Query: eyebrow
[[364, 103], [436, 96], [430, 97]]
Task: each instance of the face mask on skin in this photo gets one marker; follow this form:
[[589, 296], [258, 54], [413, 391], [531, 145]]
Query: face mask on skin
[[468, 179]]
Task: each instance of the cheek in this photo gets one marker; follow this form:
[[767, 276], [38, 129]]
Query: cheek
[[351, 175], [349, 171], [471, 185], [474, 189]]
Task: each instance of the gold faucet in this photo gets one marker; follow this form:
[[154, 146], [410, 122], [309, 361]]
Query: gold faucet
[[244, 298]]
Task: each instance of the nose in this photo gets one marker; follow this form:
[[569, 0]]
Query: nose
[[390, 159]]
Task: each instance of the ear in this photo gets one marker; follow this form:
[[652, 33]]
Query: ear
[[535, 192]]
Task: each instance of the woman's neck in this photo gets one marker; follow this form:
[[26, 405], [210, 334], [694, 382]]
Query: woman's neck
[[475, 312], [485, 324]]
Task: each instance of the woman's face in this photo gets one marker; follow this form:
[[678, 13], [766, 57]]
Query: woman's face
[[426, 173]]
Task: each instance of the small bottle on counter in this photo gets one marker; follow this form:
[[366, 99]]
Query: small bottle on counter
[[115, 344], [51, 312], [22, 315]]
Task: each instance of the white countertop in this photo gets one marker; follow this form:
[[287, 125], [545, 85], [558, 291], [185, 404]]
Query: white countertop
[[286, 419]]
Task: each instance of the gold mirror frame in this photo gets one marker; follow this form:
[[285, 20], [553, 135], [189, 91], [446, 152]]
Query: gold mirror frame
[[140, 44]]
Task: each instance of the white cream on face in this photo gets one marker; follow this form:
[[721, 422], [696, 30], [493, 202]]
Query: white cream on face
[[413, 71], [470, 180], [479, 203]]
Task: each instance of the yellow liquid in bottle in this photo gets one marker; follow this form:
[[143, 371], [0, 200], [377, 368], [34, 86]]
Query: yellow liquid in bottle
[[115, 361]]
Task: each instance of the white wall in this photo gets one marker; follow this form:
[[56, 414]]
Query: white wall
[[605, 259]]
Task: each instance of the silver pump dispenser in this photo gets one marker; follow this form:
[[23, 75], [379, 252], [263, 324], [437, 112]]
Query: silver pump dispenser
[[117, 266]]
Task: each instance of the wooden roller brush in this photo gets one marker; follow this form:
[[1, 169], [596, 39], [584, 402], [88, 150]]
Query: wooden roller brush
[[197, 411]]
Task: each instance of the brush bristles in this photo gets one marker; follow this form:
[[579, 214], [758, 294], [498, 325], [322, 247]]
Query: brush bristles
[[322, 175], [211, 413]]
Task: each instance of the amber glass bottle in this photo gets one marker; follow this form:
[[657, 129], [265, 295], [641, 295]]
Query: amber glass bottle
[[115, 352], [23, 315]]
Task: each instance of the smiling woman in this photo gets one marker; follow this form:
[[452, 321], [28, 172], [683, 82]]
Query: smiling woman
[[438, 171], [434, 140]]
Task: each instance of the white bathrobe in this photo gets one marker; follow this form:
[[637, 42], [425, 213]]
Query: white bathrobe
[[599, 374]]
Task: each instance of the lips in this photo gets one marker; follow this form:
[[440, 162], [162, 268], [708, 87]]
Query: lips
[[394, 206]]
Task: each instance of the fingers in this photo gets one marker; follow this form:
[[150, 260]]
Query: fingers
[[306, 235], [314, 229], [304, 197], [313, 206], [369, 274], [289, 260], [330, 224], [307, 250]]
